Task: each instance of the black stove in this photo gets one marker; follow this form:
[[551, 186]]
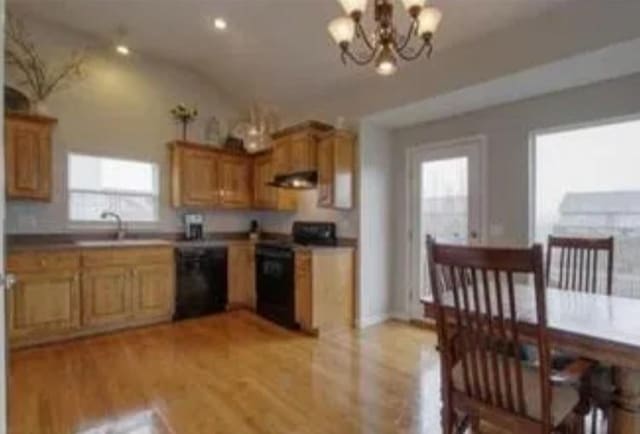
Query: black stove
[[275, 270]]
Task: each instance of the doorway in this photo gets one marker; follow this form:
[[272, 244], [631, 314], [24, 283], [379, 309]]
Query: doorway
[[447, 197]]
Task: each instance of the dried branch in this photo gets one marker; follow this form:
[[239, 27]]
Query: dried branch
[[37, 75]]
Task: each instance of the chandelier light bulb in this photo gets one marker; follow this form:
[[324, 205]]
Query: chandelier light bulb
[[386, 63], [342, 30], [354, 7], [429, 20], [413, 6]]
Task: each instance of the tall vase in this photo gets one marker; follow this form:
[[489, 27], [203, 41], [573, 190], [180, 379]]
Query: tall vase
[[39, 107]]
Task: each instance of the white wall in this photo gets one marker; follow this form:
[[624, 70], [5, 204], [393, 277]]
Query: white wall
[[507, 129], [377, 217]]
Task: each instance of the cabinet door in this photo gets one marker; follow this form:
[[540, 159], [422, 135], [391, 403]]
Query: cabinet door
[[28, 160], [199, 174], [264, 196], [106, 296], [302, 147], [235, 181], [304, 293], [281, 156], [153, 290], [44, 304], [241, 274], [325, 172]]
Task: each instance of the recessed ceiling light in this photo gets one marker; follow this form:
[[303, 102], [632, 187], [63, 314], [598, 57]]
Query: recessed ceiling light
[[220, 23], [123, 49]]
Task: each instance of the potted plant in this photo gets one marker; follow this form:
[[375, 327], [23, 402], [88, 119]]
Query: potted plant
[[185, 115], [38, 78]]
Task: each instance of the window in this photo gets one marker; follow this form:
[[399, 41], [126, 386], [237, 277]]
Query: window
[[126, 187], [587, 183]]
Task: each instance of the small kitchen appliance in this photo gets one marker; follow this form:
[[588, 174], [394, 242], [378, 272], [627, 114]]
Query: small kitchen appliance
[[194, 226]]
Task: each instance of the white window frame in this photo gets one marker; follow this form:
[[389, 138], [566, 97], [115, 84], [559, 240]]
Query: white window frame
[[532, 157], [104, 223]]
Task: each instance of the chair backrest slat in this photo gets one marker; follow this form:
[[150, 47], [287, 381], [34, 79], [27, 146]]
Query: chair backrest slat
[[578, 265], [479, 295]]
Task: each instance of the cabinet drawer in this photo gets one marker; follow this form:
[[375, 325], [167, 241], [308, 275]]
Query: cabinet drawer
[[43, 261], [126, 256]]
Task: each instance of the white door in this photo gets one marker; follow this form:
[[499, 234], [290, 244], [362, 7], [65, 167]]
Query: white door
[[446, 188]]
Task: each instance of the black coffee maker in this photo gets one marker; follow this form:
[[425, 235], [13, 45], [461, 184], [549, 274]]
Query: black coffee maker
[[194, 226]]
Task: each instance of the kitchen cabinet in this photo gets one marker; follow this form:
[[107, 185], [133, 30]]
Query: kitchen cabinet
[[106, 296], [28, 156], [235, 181], [336, 170], [44, 303], [153, 290], [324, 285], [241, 274], [194, 176], [294, 148], [265, 196], [64, 294]]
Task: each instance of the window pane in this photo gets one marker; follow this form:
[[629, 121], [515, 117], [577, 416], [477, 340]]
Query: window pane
[[588, 184], [97, 184], [86, 206]]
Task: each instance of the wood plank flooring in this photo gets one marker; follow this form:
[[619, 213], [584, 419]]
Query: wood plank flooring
[[232, 373]]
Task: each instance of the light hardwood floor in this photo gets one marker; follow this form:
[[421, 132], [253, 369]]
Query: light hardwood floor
[[232, 373]]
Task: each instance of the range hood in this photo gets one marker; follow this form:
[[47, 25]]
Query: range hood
[[296, 181]]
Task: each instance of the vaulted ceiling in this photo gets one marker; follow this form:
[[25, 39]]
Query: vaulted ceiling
[[274, 50]]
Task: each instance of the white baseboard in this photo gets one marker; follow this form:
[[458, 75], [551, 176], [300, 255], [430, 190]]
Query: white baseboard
[[380, 318], [368, 321]]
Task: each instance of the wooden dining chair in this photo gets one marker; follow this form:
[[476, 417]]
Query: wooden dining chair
[[584, 265], [579, 264], [477, 321]]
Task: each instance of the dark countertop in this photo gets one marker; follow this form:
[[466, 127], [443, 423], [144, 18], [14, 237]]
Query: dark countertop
[[102, 240]]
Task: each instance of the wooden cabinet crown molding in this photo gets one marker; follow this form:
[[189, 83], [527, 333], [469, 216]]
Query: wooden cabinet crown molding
[[29, 117]]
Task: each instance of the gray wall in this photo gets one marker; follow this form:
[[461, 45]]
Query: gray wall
[[507, 129], [376, 212], [121, 110]]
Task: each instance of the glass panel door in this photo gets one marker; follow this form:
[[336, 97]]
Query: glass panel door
[[446, 187]]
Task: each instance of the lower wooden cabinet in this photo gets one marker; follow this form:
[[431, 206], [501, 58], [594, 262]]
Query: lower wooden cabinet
[[106, 296], [59, 295], [45, 303], [153, 290], [324, 289], [241, 274]]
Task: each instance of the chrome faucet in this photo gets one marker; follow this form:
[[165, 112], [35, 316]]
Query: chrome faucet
[[120, 234]]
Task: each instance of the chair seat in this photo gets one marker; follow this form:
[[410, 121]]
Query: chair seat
[[564, 397]]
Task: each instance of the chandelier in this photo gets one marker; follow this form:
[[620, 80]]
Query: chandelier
[[385, 43]]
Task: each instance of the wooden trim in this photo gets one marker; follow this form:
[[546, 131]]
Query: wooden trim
[[29, 117], [307, 125]]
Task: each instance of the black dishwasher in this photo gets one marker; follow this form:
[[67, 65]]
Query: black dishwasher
[[201, 280]]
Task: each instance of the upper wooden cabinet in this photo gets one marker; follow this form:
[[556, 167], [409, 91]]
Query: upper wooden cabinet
[[194, 175], [265, 196], [206, 177], [28, 156], [336, 170], [294, 148], [235, 181]]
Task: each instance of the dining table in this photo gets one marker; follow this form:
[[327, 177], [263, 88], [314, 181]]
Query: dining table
[[598, 327]]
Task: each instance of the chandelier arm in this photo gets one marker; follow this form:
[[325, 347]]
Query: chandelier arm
[[365, 61], [362, 34], [409, 57], [408, 37]]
